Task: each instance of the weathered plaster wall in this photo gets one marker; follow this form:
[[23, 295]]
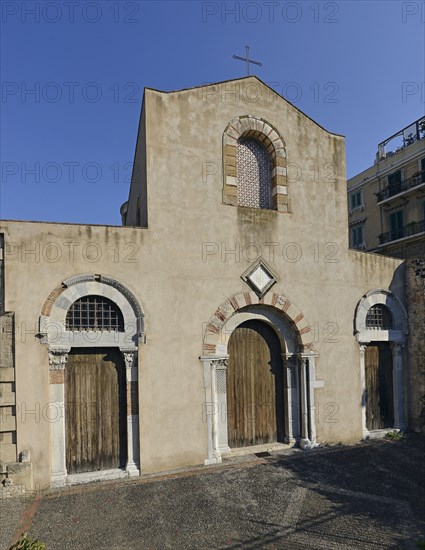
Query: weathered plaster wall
[[198, 247], [416, 349], [138, 188]]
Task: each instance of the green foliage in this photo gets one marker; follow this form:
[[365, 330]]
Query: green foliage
[[394, 435], [421, 544], [25, 543]]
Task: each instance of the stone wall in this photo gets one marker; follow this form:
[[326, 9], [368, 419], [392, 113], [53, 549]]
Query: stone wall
[[416, 348], [15, 476], [7, 393]]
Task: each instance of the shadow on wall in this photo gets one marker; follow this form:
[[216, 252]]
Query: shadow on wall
[[414, 377]]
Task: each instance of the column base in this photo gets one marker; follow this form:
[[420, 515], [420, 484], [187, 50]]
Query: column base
[[58, 479], [215, 460], [399, 427], [132, 469], [306, 444]]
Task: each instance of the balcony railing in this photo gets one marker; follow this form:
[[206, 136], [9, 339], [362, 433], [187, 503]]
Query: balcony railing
[[407, 231], [405, 137], [397, 188]]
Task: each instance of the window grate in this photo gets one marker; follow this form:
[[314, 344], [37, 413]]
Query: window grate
[[253, 174], [94, 313], [379, 318]]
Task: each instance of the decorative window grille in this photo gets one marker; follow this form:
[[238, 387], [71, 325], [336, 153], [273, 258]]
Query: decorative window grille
[[222, 407], [94, 313], [253, 174], [379, 318]]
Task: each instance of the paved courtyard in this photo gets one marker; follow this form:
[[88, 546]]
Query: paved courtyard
[[366, 496]]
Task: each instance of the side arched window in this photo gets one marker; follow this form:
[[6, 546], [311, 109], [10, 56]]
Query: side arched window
[[379, 318], [253, 174], [94, 313]]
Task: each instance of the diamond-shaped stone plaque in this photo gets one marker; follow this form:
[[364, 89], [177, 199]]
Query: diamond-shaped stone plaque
[[260, 278]]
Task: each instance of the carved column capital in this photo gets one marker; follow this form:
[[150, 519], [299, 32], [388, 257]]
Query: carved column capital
[[129, 358], [220, 363], [58, 358], [362, 348]]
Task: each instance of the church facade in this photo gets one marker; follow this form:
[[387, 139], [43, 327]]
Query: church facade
[[227, 312]]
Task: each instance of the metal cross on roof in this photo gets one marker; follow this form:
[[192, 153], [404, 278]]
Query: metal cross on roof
[[248, 60]]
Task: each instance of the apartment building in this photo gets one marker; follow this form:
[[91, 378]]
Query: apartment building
[[386, 202]]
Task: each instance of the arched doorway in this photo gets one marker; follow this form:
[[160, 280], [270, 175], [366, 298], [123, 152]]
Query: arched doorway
[[93, 326], [380, 329], [379, 394], [255, 386], [285, 332], [95, 410]]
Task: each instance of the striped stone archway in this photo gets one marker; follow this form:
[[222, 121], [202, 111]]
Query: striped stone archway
[[214, 337], [298, 353]]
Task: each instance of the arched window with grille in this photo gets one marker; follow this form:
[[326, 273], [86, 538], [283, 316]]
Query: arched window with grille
[[254, 165], [94, 313], [253, 174], [379, 318]]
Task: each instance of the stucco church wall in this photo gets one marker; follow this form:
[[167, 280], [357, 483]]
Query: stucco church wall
[[190, 260], [198, 247], [31, 274], [138, 188]]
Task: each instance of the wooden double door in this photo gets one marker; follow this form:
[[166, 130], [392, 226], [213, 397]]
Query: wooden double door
[[379, 386], [255, 388], [95, 410]]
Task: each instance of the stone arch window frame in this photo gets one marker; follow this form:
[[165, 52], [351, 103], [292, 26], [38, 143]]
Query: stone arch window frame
[[250, 126], [397, 340], [296, 339], [52, 331]]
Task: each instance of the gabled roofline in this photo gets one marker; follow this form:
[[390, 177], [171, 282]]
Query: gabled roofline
[[239, 79]]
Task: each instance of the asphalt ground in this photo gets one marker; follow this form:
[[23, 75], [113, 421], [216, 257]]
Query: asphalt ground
[[366, 496]]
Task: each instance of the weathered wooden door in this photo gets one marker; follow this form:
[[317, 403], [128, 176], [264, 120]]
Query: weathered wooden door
[[95, 410], [379, 387], [254, 386]]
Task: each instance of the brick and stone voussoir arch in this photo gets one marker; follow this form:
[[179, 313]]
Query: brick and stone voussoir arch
[[255, 127], [53, 313], [213, 332]]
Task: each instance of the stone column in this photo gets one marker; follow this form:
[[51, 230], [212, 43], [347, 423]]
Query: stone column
[[133, 448], [56, 415], [363, 388], [311, 366], [291, 416], [308, 383], [303, 366], [397, 351], [221, 401], [215, 398]]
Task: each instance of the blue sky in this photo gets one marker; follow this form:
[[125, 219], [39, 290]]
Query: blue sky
[[356, 67]]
